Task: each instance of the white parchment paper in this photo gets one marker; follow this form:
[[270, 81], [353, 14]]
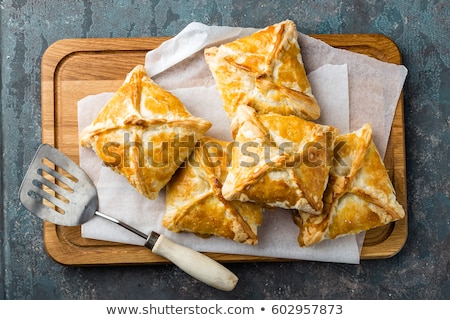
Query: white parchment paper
[[178, 65]]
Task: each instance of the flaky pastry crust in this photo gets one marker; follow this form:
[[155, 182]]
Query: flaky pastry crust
[[265, 71], [279, 161], [359, 196], [194, 201], [143, 133]]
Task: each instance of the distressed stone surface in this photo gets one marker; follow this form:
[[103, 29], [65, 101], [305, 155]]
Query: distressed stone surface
[[420, 28]]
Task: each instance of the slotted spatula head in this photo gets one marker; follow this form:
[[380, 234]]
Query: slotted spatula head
[[56, 189]]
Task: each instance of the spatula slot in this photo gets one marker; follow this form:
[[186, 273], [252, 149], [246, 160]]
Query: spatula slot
[[33, 195], [59, 192], [56, 189], [44, 202], [38, 193], [50, 164], [64, 182], [54, 194]]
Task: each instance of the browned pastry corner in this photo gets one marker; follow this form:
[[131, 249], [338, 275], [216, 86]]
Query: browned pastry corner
[[144, 133], [265, 71], [194, 201], [359, 196]]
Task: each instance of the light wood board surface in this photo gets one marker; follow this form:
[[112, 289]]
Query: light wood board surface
[[75, 68]]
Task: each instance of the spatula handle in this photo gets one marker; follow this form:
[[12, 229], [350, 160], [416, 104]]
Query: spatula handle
[[196, 264]]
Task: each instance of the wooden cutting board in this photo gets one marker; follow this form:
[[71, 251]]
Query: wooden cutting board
[[75, 68]]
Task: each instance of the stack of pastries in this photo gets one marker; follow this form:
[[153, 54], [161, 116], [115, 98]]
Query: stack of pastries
[[279, 157]]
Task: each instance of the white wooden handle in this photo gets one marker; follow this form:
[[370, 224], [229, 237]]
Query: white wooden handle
[[196, 264]]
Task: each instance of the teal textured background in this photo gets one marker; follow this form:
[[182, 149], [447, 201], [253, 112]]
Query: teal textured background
[[420, 28]]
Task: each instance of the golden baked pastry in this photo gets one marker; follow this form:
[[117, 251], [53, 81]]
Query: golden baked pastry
[[279, 161], [359, 196], [144, 133], [194, 201], [265, 71]]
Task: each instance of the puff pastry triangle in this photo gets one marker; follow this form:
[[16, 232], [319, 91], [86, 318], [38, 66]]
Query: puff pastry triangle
[[279, 161], [144, 133], [359, 196], [265, 71], [194, 202]]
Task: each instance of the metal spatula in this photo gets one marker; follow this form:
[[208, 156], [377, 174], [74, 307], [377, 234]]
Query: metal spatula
[[56, 189]]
